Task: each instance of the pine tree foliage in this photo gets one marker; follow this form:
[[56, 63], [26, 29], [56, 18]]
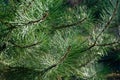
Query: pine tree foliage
[[57, 39]]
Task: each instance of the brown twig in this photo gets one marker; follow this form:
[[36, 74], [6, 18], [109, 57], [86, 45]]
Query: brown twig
[[60, 61], [26, 46], [36, 21], [13, 26], [70, 25], [47, 69], [65, 55], [108, 44]]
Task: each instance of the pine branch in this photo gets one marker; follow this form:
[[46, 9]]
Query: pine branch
[[108, 44], [26, 46], [65, 55], [109, 22], [93, 45], [47, 69], [60, 61], [70, 25], [106, 26], [86, 49], [87, 62], [16, 25], [36, 21]]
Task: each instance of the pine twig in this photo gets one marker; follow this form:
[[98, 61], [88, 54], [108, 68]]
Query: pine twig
[[26, 46], [108, 44], [36, 21], [65, 55], [106, 26], [47, 69], [13, 26], [70, 25], [54, 65], [109, 22]]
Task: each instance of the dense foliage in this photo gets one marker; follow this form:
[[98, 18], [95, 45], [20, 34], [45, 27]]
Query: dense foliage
[[59, 39]]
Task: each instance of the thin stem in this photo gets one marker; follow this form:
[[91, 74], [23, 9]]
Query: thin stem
[[13, 26], [108, 44], [60, 61], [65, 55], [70, 25], [26, 46]]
